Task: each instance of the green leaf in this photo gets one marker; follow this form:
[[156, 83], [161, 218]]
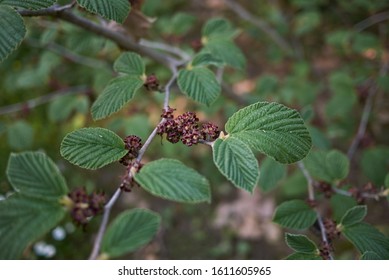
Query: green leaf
[[34, 209], [295, 214], [271, 173], [118, 92], [367, 238], [29, 4], [200, 84], [300, 243], [35, 175], [130, 63], [171, 179], [338, 165], [176, 24], [115, 10], [354, 215], [326, 166], [205, 59], [23, 220], [129, 231], [303, 256], [340, 204], [236, 162], [63, 107], [20, 135], [227, 52], [369, 255], [92, 147], [218, 28], [12, 31], [273, 129], [375, 164]]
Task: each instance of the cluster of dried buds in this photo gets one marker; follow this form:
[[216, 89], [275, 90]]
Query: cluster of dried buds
[[331, 229], [325, 188], [133, 144], [152, 83], [128, 181], [186, 127], [332, 232], [360, 194], [84, 206]]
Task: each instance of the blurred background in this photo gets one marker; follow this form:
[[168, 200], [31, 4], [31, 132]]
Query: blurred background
[[321, 57]]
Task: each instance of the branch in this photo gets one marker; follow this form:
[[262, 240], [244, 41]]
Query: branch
[[366, 114], [71, 56], [124, 41], [103, 225], [32, 103], [166, 48], [308, 177], [168, 87], [375, 196], [261, 24], [311, 196], [114, 198], [374, 19]]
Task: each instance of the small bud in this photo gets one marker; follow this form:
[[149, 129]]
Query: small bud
[[133, 144], [152, 83], [85, 206]]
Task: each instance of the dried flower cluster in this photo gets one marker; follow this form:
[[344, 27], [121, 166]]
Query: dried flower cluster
[[133, 144], [186, 127], [128, 181], [152, 83], [85, 206]]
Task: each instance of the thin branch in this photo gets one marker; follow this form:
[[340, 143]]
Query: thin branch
[[219, 74], [53, 10], [103, 225], [340, 191], [311, 196], [308, 177], [168, 87], [261, 24], [147, 143], [32, 103], [124, 41], [109, 205], [323, 233], [71, 56], [107, 208], [166, 48], [375, 196], [374, 19], [366, 114]]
